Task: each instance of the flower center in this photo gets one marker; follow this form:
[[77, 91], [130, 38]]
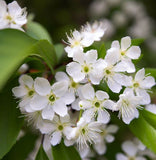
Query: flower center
[[86, 69], [73, 84], [31, 92], [108, 71], [8, 17], [131, 158], [83, 131], [122, 53], [136, 85], [60, 127], [97, 104], [52, 98]]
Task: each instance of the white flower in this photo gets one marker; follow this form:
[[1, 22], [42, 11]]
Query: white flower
[[72, 86], [141, 84], [127, 106], [151, 108], [59, 128], [111, 73], [83, 66], [95, 104], [124, 54], [85, 133], [106, 137], [50, 99], [94, 32], [12, 15], [25, 92], [131, 152], [76, 41]]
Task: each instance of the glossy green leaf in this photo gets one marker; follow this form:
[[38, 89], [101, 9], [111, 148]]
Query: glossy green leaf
[[23, 147], [150, 117], [41, 155], [15, 46], [142, 129], [37, 31], [61, 152], [137, 42], [102, 51], [10, 120], [59, 48]]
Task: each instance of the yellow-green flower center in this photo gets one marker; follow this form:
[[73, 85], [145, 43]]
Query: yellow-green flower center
[[60, 127], [52, 98]]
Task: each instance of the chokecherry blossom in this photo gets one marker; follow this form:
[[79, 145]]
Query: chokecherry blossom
[[127, 106], [124, 54], [76, 41], [106, 137], [25, 91], [85, 133], [131, 152], [59, 128], [141, 84], [94, 32], [95, 104], [12, 15], [111, 73], [83, 66], [50, 99]]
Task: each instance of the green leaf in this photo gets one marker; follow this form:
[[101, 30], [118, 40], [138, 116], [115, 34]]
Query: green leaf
[[15, 46], [149, 117], [28, 141], [59, 48], [151, 71], [102, 51], [137, 42], [142, 129], [41, 155], [61, 152], [37, 31], [10, 120]]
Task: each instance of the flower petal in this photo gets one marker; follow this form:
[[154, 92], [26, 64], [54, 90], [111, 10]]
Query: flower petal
[[103, 116], [88, 91], [56, 138], [145, 97], [91, 56], [26, 80], [121, 156], [60, 88], [109, 138], [60, 108], [19, 91], [140, 75], [42, 86], [61, 76], [101, 95], [48, 112], [113, 85], [129, 148], [148, 82], [100, 148], [125, 43], [112, 129], [78, 56], [38, 102], [133, 52], [115, 44], [3, 8], [74, 70], [69, 97]]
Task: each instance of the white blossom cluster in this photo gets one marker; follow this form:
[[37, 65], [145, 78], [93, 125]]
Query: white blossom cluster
[[49, 106], [134, 150], [12, 15]]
